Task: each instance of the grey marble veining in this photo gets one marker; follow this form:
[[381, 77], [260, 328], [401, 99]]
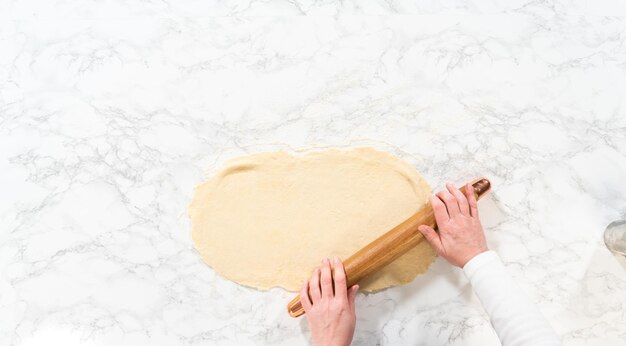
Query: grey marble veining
[[111, 112]]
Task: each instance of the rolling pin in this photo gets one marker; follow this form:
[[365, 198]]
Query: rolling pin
[[389, 246]]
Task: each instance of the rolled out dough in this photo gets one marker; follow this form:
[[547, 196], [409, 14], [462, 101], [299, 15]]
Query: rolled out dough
[[266, 220]]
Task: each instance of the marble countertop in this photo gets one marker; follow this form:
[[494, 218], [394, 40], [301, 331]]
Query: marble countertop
[[111, 112]]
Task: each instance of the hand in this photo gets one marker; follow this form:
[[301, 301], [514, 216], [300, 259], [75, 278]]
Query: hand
[[460, 235], [330, 312]]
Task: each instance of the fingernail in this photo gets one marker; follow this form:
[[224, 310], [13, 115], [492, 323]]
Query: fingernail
[[337, 259]]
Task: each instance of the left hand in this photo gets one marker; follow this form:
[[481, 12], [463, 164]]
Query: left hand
[[329, 307]]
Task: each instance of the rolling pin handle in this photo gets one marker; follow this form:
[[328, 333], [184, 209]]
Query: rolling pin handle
[[294, 308], [481, 186]]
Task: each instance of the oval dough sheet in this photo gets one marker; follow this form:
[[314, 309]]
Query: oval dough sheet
[[267, 219]]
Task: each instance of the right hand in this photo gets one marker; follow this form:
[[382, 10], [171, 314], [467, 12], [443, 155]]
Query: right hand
[[460, 237]]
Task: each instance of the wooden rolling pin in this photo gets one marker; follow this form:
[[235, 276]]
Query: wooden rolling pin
[[389, 246]]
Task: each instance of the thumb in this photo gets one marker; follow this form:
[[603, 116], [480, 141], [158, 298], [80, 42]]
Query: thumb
[[432, 236], [352, 295]]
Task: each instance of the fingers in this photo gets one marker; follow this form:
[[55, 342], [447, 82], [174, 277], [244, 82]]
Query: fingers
[[340, 280], [432, 237], [471, 199], [460, 199], [326, 280], [352, 295], [314, 287], [451, 204], [304, 297], [441, 214]]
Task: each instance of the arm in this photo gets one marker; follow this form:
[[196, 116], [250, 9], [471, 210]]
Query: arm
[[514, 317], [461, 241]]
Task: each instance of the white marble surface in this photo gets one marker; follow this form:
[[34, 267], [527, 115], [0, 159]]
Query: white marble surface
[[112, 111]]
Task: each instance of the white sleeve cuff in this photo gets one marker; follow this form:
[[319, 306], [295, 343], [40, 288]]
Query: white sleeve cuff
[[478, 261], [515, 318]]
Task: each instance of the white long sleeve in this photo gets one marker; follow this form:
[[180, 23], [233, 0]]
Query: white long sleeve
[[516, 320]]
